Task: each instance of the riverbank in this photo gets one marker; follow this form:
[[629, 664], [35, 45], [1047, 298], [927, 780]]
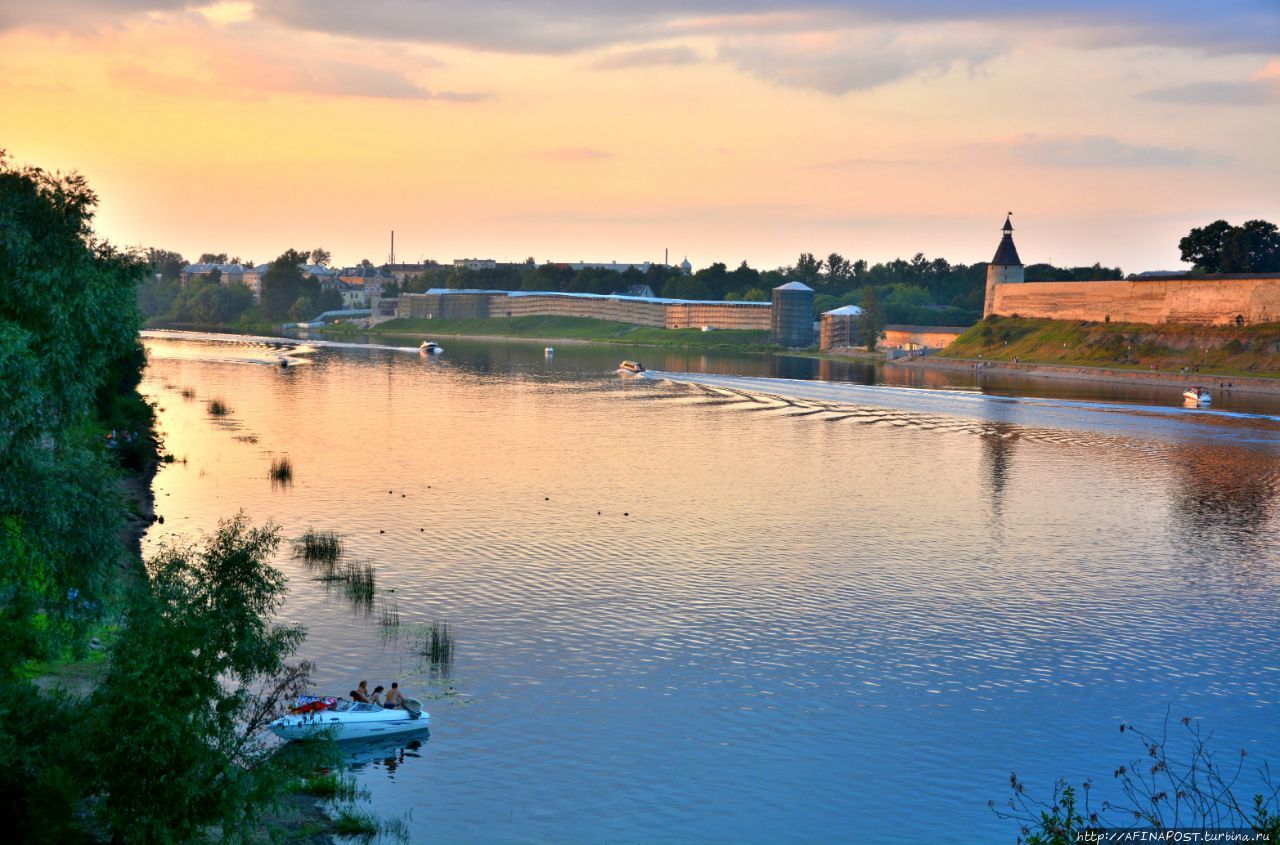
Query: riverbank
[[1201, 353], [1109, 375], [547, 329]]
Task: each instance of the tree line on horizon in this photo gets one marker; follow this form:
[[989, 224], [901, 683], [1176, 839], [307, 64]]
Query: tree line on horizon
[[920, 290]]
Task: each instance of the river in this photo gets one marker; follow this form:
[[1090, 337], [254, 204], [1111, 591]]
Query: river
[[742, 605]]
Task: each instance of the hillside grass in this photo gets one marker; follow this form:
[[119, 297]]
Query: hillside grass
[[1212, 350], [574, 328]]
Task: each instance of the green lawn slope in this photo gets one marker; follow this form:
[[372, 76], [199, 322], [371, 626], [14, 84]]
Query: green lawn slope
[[1222, 350]]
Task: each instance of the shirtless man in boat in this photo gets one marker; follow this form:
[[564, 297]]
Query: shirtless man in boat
[[394, 698]]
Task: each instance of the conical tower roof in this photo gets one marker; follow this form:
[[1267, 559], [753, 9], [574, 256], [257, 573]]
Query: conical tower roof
[[1007, 253]]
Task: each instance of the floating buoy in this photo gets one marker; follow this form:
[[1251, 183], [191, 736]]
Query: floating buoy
[[380, 531], [627, 513]]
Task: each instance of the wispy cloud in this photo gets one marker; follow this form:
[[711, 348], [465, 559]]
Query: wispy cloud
[[1092, 151], [841, 62], [648, 57]]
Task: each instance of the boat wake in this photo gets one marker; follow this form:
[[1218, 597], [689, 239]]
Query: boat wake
[[831, 398], [260, 349]]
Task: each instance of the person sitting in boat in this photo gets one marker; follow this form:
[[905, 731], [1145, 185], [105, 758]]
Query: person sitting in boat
[[376, 698], [394, 698], [357, 696]]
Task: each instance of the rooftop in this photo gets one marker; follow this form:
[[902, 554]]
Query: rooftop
[[794, 286], [847, 310], [623, 297]]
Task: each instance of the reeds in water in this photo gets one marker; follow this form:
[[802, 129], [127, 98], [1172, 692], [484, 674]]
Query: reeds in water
[[188, 393], [355, 580], [437, 642], [281, 470], [218, 408], [317, 546]]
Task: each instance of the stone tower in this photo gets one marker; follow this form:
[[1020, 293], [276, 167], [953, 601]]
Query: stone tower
[[1005, 268]]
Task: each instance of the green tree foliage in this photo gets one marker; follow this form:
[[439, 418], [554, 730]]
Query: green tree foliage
[[871, 320], [213, 258], [176, 727], [283, 285], [321, 256], [1219, 247], [164, 264]]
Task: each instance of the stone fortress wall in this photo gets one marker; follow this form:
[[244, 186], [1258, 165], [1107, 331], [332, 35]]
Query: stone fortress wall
[[1185, 298], [1217, 300]]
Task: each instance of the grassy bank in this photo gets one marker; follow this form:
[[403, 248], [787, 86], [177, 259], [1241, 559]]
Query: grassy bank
[[1215, 350], [571, 328]]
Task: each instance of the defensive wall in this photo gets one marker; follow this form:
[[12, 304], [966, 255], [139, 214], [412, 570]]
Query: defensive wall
[[642, 311], [1204, 300]]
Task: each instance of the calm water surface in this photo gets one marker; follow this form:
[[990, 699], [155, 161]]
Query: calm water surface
[[713, 608]]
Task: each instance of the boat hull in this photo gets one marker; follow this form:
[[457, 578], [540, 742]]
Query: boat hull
[[306, 727]]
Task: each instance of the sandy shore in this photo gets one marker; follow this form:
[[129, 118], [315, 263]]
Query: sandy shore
[[1237, 384]]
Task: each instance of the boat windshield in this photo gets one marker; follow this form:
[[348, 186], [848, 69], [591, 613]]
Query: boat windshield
[[365, 708], [342, 706]]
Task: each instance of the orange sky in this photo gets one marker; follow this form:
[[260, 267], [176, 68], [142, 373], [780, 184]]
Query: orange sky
[[578, 131]]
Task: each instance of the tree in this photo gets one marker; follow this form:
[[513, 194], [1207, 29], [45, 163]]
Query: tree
[[175, 730], [1253, 247], [213, 258], [321, 256], [366, 263], [283, 284], [871, 320], [808, 268], [164, 263]]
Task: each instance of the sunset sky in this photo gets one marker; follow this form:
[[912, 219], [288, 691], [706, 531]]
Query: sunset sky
[[608, 130]]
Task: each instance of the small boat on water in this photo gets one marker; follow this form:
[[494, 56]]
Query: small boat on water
[[431, 347], [550, 350], [1196, 395], [348, 719], [633, 367]]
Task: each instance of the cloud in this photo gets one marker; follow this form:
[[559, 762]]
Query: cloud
[[1251, 93], [838, 63], [1103, 151], [648, 57], [574, 154]]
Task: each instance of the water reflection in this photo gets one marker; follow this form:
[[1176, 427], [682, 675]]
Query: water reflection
[[1223, 495], [386, 755]]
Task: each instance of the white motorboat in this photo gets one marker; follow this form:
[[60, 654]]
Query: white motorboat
[[549, 351], [1197, 395], [632, 367], [348, 719], [431, 347]]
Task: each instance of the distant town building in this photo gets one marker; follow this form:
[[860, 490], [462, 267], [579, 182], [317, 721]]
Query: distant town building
[[792, 323], [253, 278], [227, 273], [360, 276], [475, 263], [685, 267], [400, 272], [638, 290], [440, 303]]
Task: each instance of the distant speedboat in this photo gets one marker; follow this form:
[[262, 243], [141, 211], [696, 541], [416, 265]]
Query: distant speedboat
[[633, 367], [348, 719], [1198, 395], [431, 347], [550, 350]]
